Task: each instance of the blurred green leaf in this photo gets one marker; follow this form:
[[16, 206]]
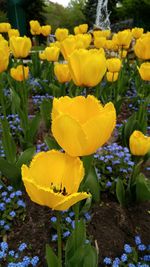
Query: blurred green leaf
[[51, 258]]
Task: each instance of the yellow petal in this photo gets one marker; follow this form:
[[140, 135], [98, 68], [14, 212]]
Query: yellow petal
[[41, 195], [99, 129], [69, 201], [69, 135]]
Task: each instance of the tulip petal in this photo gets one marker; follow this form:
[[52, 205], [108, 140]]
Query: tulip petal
[[99, 128], [70, 200], [69, 135], [42, 195]]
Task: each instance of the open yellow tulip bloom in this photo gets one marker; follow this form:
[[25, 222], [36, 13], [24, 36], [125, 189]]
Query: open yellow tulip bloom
[[4, 55], [53, 179], [141, 48], [139, 143], [87, 67], [20, 73], [20, 46], [114, 64], [144, 71], [81, 125]]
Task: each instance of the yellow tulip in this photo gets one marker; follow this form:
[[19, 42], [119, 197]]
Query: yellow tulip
[[4, 55], [46, 30], [4, 27], [83, 28], [144, 71], [52, 53], [55, 44], [111, 76], [139, 143], [20, 73], [123, 53], [142, 48], [137, 32], [113, 64], [1, 37], [124, 38], [87, 67], [62, 72], [53, 179], [13, 32], [76, 30], [99, 42], [20, 46], [85, 40], [42, 56], [99, 33], [35, 27], [110, 45], [61, 34], [81, 125], [67, 46]]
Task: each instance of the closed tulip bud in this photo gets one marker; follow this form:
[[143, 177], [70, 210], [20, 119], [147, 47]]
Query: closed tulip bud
[[81, 125], [139, 143], [113, 64], [42, 56], [62, 72], [62, 177], [52, 53], [20, 46], [83, 28], [20, 73], [87, 67], [144, 71], [67, 46], [123, 53], [137, 32], [46, 30], [4, 55], [35, 27], [124, 38], [100, 42], [141, 48], [13, 32], [76, 30], [109, 44], [61, 34], [4, 27], [111, 76]]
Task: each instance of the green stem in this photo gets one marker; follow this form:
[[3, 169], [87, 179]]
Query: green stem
[[59, 239]]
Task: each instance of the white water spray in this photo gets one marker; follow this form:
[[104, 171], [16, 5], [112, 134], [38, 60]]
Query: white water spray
[[102, 15]]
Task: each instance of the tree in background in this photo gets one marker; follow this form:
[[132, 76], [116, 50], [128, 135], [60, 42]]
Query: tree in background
[[69, 17], [139, 10]]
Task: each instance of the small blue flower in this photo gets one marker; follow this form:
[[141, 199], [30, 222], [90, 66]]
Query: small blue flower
[[107, 260], [6, 227], [127, 248], [71, 214], [68, 219], [4, 194], [131, 265], [21, 203], [26, 261], [11, 253], [12, 214], [4, 246], [87, 216], [124, 257], [22, 247], [53, 219], [108, 184], [2, 222], [66, 234], [54, 237], [35, 260], [146, 258], [18, 193], [141, 247], [12, 195], [2, 206], [137, 240]]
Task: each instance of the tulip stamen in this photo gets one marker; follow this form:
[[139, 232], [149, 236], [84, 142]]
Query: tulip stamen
[[59, 189]]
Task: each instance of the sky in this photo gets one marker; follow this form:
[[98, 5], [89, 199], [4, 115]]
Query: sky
[[61, 2]]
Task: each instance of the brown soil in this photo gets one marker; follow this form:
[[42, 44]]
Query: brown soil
[[110, 228]]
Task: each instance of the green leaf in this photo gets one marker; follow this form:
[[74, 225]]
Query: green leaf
[[84, 256], [15, 101], [11, 171], [26, 156], [142, 188], [91, 184], [87, 162], [75, 241], [51, 258], [51, 143], [45, 109], [34, 124], [120, 192]]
